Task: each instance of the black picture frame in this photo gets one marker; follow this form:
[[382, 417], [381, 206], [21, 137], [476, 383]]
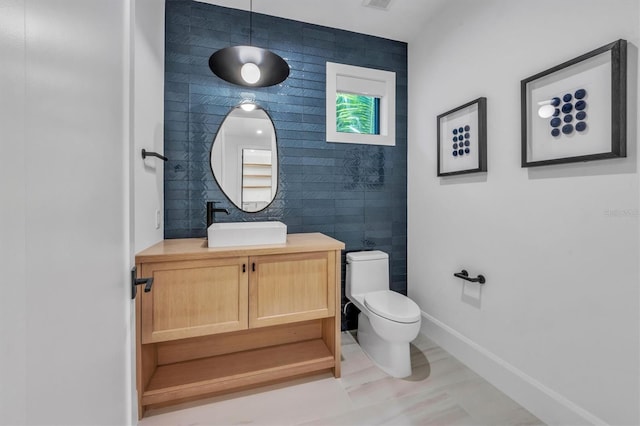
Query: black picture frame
[[588, 95], [472, 119]]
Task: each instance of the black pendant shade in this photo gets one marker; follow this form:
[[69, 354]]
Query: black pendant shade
[[227, 63]]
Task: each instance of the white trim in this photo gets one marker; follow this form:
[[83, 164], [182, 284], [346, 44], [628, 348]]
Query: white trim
[[365, 81], [545, 403]]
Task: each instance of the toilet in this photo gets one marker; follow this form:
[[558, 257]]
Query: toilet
[[388, 321]]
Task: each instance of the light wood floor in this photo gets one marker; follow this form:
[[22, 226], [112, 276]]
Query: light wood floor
[[441, 391]]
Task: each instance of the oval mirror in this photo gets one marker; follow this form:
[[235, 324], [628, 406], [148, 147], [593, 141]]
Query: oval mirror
[[244, 159]]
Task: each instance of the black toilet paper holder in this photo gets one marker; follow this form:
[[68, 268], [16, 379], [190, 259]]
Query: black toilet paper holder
[[465, 276]]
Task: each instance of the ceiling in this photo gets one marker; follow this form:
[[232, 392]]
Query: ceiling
[[402, 21]]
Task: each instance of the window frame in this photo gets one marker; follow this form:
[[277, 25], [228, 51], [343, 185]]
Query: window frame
[[363, 81]]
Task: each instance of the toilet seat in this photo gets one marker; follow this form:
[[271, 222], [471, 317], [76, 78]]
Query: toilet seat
[[392, 306]]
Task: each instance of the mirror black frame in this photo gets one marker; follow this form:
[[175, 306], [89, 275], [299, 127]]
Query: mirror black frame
[[275, 133]]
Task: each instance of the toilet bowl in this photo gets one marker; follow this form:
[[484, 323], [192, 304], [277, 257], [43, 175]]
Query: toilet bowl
[[388, 321]]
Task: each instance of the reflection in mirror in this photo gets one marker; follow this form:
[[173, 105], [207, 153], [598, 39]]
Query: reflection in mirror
[[257, 185], [244, 159]]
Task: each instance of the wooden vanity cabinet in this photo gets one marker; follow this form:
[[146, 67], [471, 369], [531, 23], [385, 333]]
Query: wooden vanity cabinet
[[286, 288], [194, 298], [222, 320]]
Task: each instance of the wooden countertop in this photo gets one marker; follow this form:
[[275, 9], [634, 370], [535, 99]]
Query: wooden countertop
[[196, 248]]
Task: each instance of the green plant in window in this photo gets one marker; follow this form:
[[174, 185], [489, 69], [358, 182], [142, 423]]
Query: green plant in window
[[357, 114]]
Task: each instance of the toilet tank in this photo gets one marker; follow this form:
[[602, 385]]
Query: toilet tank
[[367, 271]]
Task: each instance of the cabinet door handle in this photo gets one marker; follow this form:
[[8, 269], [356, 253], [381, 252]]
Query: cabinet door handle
[[244, 267], [253, 266]]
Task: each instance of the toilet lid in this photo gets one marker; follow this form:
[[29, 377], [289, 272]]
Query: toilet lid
[[359, 256], [392, 305]]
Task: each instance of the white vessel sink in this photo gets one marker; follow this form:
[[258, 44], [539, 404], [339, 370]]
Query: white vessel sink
[[229, 234]]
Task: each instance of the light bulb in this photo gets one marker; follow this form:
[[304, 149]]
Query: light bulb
[[250, 73], [247, 106]]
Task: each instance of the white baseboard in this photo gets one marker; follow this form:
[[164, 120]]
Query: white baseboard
[[548, 405]]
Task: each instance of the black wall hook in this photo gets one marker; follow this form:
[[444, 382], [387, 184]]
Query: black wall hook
[[465, 276], [146, 154]]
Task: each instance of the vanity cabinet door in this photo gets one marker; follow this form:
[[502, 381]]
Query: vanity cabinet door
[[194, 298], [291, 287]]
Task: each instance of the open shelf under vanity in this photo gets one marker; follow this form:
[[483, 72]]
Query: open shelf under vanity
[[211, 375]]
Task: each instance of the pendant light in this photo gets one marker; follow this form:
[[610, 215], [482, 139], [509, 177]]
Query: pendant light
[[248, 65]]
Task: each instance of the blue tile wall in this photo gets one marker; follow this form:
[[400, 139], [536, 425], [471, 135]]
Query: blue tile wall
[[354, 193]]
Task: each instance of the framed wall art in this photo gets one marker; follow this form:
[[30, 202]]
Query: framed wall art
[[576, 111], [462, 139]]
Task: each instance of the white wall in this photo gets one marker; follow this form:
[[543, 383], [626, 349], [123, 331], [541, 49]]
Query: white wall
[[65, 156], [13, 209], [557, 323], [147, 130], [148, 121]]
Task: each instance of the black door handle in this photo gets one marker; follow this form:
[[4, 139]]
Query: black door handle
[[135, 282]]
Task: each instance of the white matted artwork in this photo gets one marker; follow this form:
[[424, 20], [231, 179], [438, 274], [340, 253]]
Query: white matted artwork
[[462, 139], [577, 110]]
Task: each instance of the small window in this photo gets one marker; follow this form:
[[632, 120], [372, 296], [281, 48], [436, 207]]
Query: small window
[[361, 105], [357, 114]]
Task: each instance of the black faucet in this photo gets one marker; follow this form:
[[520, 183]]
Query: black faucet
[[211, 212]]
